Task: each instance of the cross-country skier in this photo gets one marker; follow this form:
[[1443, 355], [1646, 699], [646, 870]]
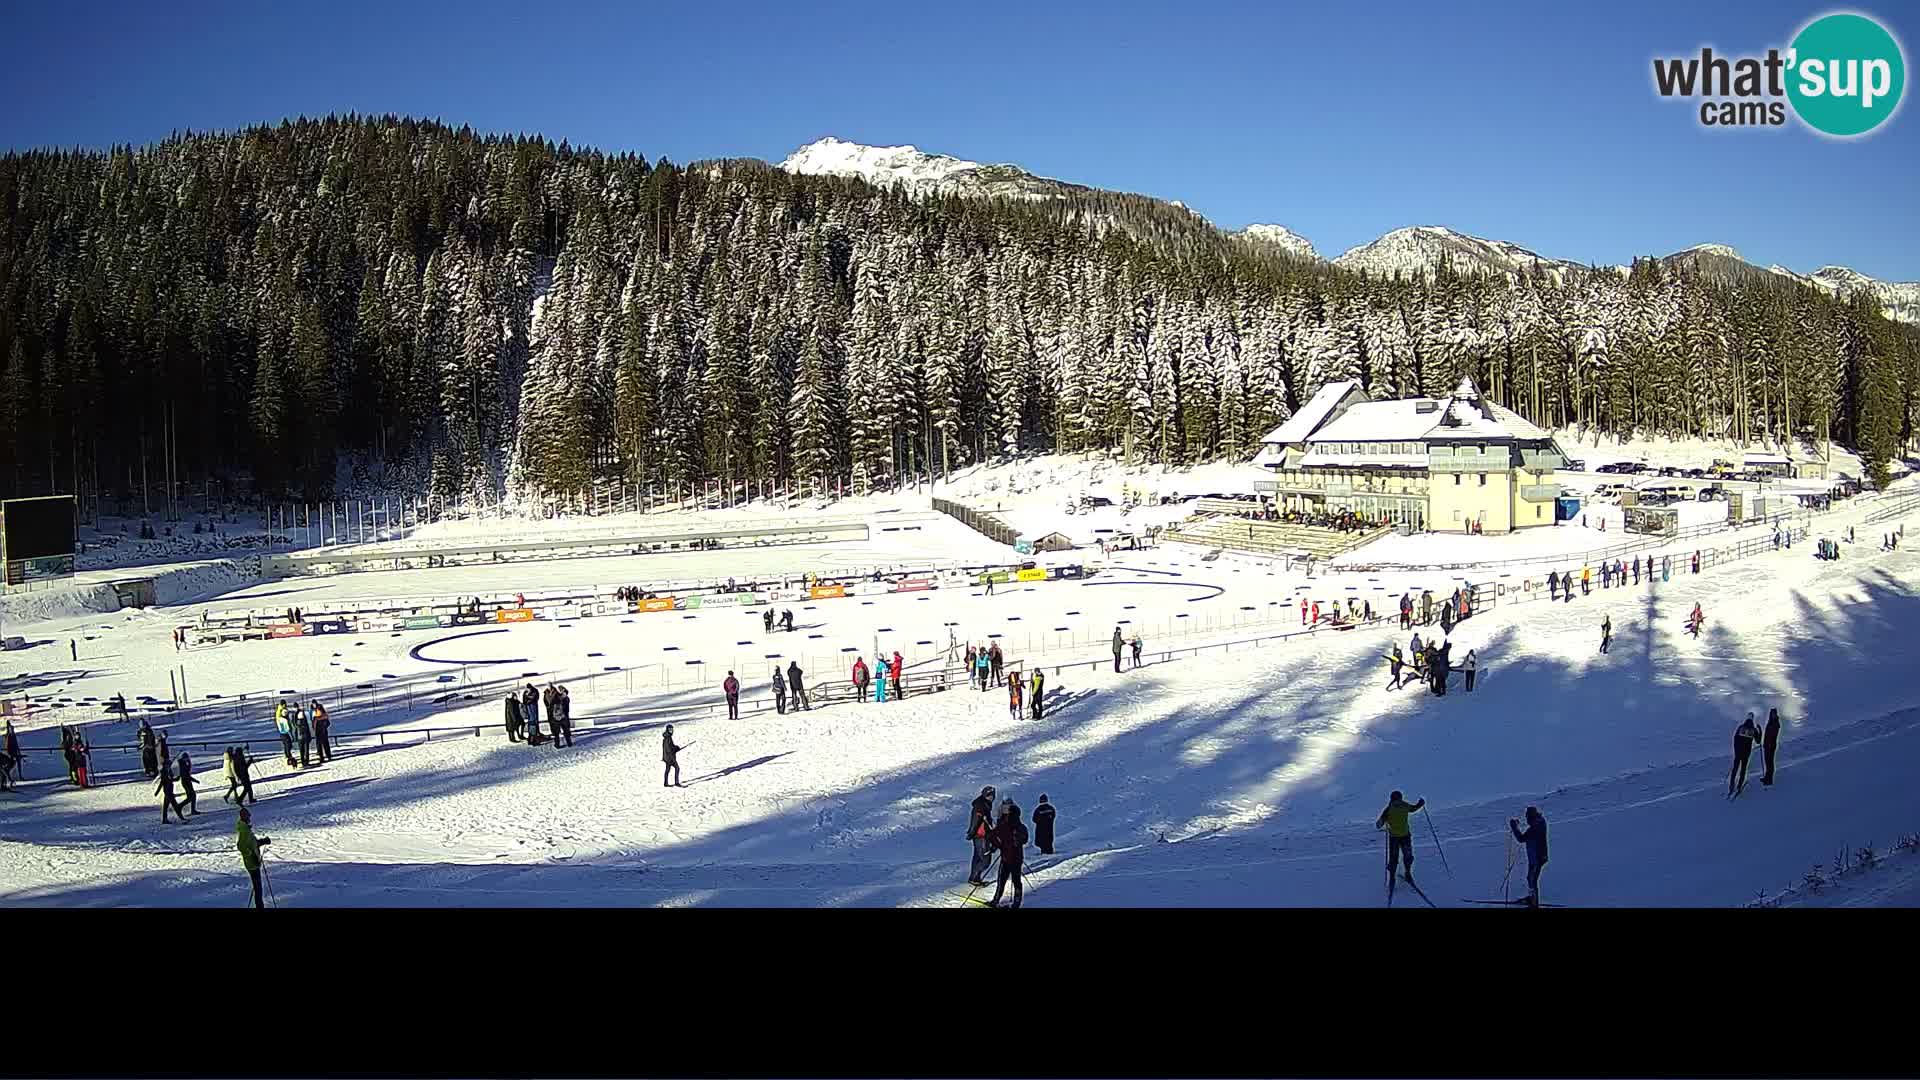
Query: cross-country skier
[[1696, 620], [1043, 826], [979, 822], [1399, 833], [793, 684], [1010, 837], [670, 754], [731, 687], [1770, 742], [859, 679], [1606, 633], [1535, 838], [1014, 702], [514, 718], [1038, 693], [1744, 737], [779, 692], [250, 846], [1116, 650], [1473, 663], [1393, 668]]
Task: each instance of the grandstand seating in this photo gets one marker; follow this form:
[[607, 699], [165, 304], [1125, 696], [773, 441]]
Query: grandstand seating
[[1271, 538]]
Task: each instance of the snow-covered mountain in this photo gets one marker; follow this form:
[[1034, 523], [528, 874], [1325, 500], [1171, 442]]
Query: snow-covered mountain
[[1279, 236], [1899, 299], [1420, 248], [920, 172]]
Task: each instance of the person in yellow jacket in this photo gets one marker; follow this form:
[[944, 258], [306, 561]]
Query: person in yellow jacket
[[250, 851], [1399, 833]]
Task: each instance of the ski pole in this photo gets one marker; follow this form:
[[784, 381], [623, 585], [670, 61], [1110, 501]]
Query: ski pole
[[1436, 840], [272, 899]]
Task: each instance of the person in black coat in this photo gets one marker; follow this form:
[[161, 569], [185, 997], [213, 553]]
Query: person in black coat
[[303, 729], [186, 784], [979, 824], [670, 754], [563, 715], [1770, 742], [1043, 826], [779, 692], [514, 720], [793, 683], [149, 760], [1009, 837], [530, 709], [1536, 840], [163, 787], [1744, 737]]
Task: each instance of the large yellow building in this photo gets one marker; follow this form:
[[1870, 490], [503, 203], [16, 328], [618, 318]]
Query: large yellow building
[[1441, 464]]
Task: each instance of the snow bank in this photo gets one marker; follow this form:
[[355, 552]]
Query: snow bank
[[47, 605]]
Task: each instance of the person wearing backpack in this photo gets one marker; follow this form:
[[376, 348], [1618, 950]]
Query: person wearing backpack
[[1009, 837]]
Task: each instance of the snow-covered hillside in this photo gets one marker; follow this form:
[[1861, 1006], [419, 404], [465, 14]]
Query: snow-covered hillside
[[920, 172], [1899, 299], [1281, 237], [1419, 249]]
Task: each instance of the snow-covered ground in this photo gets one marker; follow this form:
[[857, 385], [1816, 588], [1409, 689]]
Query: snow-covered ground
[[1241, 776]]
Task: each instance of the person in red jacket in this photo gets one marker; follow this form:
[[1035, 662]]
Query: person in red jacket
[[897, 665], [732, 687]]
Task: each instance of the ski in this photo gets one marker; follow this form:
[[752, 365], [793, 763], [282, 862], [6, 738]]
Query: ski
[[1422, 893], [969, 897], [1521, 902]]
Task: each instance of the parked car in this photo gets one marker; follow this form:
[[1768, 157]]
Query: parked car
[[1711, 492], [1575, 465], [1610, 467]]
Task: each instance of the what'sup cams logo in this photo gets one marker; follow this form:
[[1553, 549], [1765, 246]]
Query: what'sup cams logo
[[1842, 76]]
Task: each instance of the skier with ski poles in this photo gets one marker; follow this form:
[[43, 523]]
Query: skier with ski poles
[[670, 754], [1744, 737], [1399, 834], [1535, 838], [250, 851], [1393, 667]]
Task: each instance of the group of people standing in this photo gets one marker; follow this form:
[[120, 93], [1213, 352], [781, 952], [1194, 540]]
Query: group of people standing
[[883, 677], [309, 726], [1432, 662], [1120, 643], [523, 715], [1004, 838], [1744, 738], [785, 619], [984, 664]]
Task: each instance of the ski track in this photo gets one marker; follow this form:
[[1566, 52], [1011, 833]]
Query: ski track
[[1242, 777]]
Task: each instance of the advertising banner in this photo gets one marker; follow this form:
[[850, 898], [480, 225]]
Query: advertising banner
[[280, 630], [779, 596], [912, 585], [1037, 574], [421, 622], [568, 612], [995, 576], [331, 626], [658, 603], [507, 615], [1069, 571], [685, 602], [869, 588], [466, 618], [827, 592], [21, 571]]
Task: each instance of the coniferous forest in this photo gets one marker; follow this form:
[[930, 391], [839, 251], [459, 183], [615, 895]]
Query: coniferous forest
[[326, 307]]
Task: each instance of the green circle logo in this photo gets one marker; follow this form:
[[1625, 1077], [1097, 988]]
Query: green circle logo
[[1846, 73]]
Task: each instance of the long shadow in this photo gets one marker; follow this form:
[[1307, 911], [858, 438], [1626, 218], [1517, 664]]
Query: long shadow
[[1294, 740], [742, 767]]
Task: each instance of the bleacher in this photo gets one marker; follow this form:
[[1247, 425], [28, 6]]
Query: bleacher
[[1275, 539]]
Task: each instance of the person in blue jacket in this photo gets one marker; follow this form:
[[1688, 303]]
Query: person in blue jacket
[[1536, 840]]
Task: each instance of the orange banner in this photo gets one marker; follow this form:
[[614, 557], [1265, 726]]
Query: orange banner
[[281, 630], [657, 603], [518, 614], [827, 592]]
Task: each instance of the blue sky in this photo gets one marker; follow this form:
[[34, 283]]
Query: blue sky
[[1340, 121]]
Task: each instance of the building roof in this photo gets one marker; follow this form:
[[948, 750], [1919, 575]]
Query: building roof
[[1310, 416], [1465, 415]]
